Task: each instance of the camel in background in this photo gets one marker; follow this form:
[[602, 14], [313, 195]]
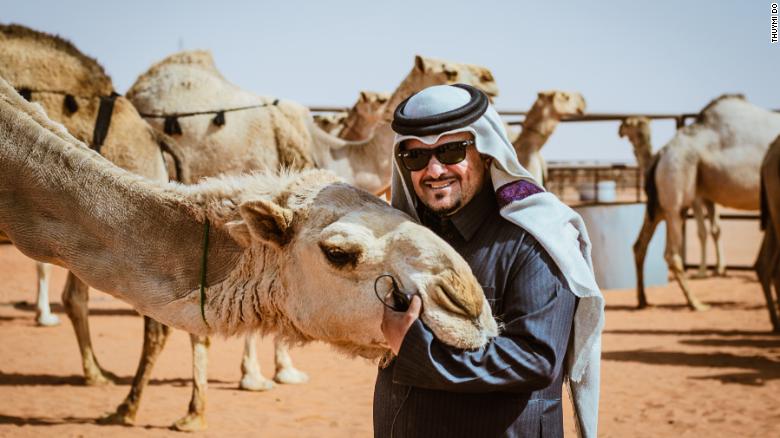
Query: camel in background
[[637, 129], [359, 122], [717, 159], [768, 262], [539, 124]]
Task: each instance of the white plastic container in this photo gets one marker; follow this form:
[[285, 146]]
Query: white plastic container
[[605, 191]]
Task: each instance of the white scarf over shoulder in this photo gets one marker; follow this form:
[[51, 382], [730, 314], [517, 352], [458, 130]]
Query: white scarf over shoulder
[[558, 228]]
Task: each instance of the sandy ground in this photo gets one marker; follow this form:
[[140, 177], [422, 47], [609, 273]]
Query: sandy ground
[[666, 371]]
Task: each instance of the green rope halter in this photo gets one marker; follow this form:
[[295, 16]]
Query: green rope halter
[[203, 273]]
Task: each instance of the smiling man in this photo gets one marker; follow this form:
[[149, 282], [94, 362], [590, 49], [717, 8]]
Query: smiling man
[[456, 172]]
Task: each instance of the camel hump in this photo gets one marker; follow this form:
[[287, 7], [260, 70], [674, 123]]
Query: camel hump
[[703, 114], [193, 58], [40, 61]]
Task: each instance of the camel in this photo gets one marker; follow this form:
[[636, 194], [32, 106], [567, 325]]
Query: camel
[[359, 122], [332, 123], [274, 131], [539, 124], [69, 85], [637, 130], [225, 256], [364, 116], [768, 262], [717, 159]]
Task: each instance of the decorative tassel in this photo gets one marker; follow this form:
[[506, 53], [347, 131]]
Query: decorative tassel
[[70, 104], [172, 126], [26, 93], [219, 119]]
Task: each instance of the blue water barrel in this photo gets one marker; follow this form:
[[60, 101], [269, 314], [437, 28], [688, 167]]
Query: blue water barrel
[[613, 229]]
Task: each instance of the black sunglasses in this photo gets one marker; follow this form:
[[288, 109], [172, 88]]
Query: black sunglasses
[[449, 153]]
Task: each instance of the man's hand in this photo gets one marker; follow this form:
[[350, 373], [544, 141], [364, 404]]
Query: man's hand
[[396, 324]]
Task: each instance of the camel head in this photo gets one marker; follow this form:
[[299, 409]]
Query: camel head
[[332, 122], [560, 104], [637, 130], [371, 105], [438, 72], [333, 241]]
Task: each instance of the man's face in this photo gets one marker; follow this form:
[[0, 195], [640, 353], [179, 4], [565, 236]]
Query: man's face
[[445, 188]]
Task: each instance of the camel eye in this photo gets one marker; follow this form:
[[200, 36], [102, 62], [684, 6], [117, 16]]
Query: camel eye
[[339, 257]]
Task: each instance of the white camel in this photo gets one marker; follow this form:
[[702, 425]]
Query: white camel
[[262, 230], [637, 129], [540, 123], [717, 159], [768, 263], [274, 131]]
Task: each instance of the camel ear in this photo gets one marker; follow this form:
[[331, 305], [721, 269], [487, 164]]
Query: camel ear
[[419, 63], [267, 221], [547, 95], [363, 96]]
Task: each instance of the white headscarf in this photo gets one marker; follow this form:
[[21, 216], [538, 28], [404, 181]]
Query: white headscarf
[[558, 228]]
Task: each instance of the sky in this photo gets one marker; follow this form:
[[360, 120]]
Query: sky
[[623, 56]]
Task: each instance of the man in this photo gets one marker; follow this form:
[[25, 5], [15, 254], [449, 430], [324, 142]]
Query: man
[[456, 172]]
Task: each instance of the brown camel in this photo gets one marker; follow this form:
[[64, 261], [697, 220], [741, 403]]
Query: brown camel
[[539, 125]]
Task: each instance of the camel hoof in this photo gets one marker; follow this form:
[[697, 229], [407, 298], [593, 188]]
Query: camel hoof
[[721, 273], [254, 383], [48, 320], [291, 376], [700, 275], [116, 418], [190, 423]]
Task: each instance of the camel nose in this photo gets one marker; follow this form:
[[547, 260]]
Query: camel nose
[[459, 293]]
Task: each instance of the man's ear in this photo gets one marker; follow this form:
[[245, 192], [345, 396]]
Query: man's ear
[[265, 221]]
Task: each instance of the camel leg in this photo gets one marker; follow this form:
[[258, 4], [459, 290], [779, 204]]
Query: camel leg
[[701, 231], [285, 370], [74, 298], [640, 251], [43, 315], [195, 419], [766, 268], [155, 336], [720, 262], [674, 259], [251, 377]]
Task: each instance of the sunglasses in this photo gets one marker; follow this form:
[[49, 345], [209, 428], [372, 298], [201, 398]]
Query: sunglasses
[[449, 153]]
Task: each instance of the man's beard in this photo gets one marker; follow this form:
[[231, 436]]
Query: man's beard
[[446, 211]]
